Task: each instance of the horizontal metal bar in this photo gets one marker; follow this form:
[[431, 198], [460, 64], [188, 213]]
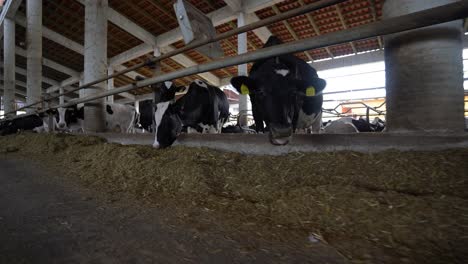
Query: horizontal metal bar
[[437, 15], [355, 90], [261, 23]]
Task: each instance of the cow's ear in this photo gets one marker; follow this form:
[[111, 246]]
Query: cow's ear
[[179, 89], [243, 84], [311, 87]]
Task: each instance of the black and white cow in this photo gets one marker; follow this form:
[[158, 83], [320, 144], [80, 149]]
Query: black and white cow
[[342, 125], [118, 117], [30, 122], [286, 94], [346, 125], [204, 108]]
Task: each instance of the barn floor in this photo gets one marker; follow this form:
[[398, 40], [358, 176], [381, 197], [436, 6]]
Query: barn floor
[[217, 206], [45, 218]]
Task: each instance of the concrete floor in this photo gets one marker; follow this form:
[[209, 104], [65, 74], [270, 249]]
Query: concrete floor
[[259, 144]]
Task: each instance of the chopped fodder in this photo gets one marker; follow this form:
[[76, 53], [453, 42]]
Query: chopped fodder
[[383, 207]]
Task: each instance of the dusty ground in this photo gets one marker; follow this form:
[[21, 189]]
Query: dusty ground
[[45, 218], [390, 207]]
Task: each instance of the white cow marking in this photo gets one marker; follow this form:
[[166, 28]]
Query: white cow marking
[[282, 72], [122, 119], [168, 84], [62, 124], [312, 122], [208, 129], [160, 110], [201, 83]]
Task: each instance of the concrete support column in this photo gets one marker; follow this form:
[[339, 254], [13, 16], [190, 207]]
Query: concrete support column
[[95, 62], [157, 70], [110, 84], [61, 98], [242, 69], [137, 106], [34, 51], [9, 81], [424, 73], [81, 93]]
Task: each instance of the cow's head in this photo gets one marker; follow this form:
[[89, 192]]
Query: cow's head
[[278, 94], [168, 123], [67, 116]]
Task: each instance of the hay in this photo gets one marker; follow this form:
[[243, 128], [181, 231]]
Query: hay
[[386, 207]]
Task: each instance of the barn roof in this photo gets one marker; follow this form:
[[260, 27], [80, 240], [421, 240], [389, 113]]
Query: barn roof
[[63, 22]]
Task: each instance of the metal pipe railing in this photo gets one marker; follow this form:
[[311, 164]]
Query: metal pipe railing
[[261, 23], [437, 15]]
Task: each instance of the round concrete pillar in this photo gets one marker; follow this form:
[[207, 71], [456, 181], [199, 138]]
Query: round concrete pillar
[[34, 52], [95, 62], [424, 73]]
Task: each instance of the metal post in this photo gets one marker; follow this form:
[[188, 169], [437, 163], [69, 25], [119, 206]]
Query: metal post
[[95, 62], [242, 70], [34, 51], [9, 82]]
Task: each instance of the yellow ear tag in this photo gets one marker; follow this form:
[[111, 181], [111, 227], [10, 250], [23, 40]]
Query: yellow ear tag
[[244, 89], [310, 91]]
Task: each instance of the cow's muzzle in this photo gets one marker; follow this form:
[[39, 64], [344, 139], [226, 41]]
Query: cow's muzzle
[[280, 135]]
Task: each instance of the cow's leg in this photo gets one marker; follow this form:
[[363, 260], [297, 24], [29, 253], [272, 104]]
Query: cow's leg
[[191, 130], [317, 123]]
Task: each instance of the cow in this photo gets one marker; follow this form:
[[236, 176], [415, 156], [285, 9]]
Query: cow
[[346, 125], [341, 126], [237, 129], [29, 122], [378, 125], [118, 117], [204, 108], [286, 94]]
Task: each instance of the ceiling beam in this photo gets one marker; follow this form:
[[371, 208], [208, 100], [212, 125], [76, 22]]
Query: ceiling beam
[[218, 17], [290, 30], [20, 19], [235, 5], [49, 63], [8, 11], [374, 16], [68, 43], [262, 33], [19, 95], [24, 85], [311, 20], [345, 26], [151, 40]]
